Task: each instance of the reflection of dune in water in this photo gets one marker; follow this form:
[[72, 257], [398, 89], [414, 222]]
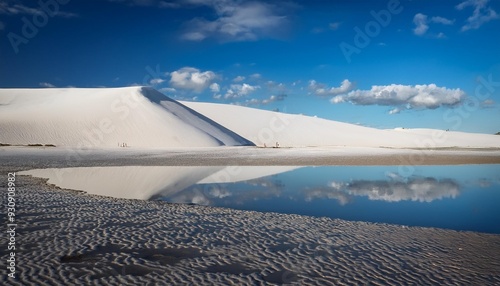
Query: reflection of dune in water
[[414, 189], [131, 182], [203, 185], [149, 182], [226, 194], [418, 189]]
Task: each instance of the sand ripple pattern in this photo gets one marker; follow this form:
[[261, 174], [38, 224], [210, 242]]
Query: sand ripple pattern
[[72, 238]]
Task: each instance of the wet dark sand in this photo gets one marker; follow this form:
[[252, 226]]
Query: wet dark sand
[[72, 238]]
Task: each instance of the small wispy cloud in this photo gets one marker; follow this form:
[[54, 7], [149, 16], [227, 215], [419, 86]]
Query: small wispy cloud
[[239, 78], [255, 76], [167, 90], [46, 85], [150, 3], [482, 13], [334, 26], [488, 103], [265, 101], [422, 22], [396, 110], [156, 81], [442, 20], [13, 8], [238, 21]]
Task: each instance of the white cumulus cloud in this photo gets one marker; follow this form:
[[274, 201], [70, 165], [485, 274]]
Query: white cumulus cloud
[[239, 78], [189, 78], [395, 110], [214, 87], [417, 96], [322, 90], [240, 90], [420, 21], [156, 81]]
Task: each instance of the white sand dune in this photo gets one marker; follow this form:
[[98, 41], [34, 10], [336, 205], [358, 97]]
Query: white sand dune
[[142, 117], [266, 128], [105, 117]]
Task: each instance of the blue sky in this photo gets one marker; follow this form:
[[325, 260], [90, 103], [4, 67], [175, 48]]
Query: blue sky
[[383, 64]]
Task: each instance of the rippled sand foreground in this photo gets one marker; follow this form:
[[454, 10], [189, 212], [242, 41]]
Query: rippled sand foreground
[[72, 238]]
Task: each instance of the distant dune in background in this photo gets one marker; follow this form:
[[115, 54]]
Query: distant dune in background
[[291, 130]]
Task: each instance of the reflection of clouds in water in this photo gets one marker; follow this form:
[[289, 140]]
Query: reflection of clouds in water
[[327, 193], [394, 189], [395, 176], [267, 183], [208, 194], [416, 189], [260, 189], [487, 183], [192, 195], [218, 191]]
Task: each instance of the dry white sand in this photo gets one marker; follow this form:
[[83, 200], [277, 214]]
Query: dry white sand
[[47, 157], [72, 238]]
